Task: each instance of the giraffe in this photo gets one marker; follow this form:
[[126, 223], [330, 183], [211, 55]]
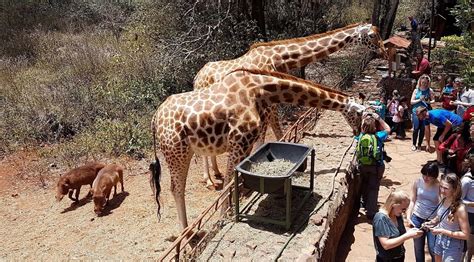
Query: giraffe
[[283, 56], [228, 117]]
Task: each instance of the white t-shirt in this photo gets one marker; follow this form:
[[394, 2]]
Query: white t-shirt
[[397, 118], [467, 186], [466, 97]]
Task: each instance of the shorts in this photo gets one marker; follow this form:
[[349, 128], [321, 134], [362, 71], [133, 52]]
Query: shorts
[[439, 131], [450, 249], [470, 217]]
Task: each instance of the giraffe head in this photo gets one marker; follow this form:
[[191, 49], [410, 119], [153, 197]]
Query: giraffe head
[[368, 35], [353, 113]]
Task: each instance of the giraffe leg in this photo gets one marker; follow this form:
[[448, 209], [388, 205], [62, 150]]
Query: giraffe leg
[[210, 184], [261, 136], [215, 167], [275, 124], [179, 167]]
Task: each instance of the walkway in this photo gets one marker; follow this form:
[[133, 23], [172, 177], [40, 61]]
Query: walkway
[[399, 174]]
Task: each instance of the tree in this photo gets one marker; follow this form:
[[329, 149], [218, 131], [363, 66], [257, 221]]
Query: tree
[[383, 16]]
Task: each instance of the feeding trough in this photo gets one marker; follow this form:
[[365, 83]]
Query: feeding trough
[[259, 175]]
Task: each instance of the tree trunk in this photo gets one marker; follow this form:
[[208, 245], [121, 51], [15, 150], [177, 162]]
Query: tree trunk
[[258, 14], [376, 13], [389, 18], [243, 8], [383, 16]]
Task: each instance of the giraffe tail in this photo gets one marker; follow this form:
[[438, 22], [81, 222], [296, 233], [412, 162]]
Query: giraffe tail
[[155, 168]]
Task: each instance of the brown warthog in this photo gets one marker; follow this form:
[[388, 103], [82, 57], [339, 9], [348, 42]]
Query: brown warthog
[[77, 177], [107, 178]]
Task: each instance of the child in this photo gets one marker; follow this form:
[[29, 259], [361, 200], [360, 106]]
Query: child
[[398, 118]]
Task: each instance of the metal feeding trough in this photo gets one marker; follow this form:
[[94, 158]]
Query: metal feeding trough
[[275, 183]]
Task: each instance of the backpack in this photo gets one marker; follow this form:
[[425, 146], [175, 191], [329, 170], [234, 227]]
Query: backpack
[[369, 150]]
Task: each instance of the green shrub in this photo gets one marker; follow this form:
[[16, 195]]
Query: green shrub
[[456, 57]]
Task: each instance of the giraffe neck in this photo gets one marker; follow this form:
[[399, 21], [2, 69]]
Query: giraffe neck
[[277, 88], [298, 52]]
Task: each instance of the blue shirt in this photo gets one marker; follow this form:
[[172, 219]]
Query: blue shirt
[[448, 89], [419, 93], [438, 117]]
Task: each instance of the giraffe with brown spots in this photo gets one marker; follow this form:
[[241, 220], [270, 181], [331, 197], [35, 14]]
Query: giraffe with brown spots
[[229, 117], [283, 56]]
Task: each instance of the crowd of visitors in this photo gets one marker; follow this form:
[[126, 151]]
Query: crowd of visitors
[[438, 213]]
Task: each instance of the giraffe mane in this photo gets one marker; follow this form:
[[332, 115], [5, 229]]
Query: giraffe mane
[[289, 77], [302, 39]]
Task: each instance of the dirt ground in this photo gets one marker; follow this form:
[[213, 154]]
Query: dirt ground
[[35, 226]]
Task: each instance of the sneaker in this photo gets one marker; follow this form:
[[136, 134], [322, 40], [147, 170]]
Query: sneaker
[[413, 148], [418, 149]]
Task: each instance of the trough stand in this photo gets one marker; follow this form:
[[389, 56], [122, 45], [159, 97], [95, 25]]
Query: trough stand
[[267, 184]]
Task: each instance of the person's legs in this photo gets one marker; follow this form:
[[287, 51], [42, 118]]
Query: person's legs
[[470, 241], [419, 243], [373, 186], [436, 141], [421, 135], [416, 129], [431, 244], [402, 129], [453, 250]]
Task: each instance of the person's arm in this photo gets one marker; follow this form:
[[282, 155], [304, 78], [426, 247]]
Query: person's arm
[[382, 123], [412, 202], [465, 187], [389, 243], [457, 102], [447, 127], [432, 98], [427, 136], [413, 98], [447, 144], [461, 216]]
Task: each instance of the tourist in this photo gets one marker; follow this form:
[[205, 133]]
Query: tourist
[[467, 188], [389, 232], [422, 66], [423, 95], [392, 108], [445, 122], [399, 118], [448, 96], [423, 203], [455, 149], [450, 225], [372, 170], [465, 97]]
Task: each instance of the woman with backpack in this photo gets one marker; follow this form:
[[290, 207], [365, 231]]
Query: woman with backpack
[[423, 95], [370, 159], [423, 203]]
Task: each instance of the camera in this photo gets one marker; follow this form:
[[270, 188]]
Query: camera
[[425, 228]]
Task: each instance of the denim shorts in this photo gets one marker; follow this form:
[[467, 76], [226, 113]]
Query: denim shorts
[[450, 249]]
